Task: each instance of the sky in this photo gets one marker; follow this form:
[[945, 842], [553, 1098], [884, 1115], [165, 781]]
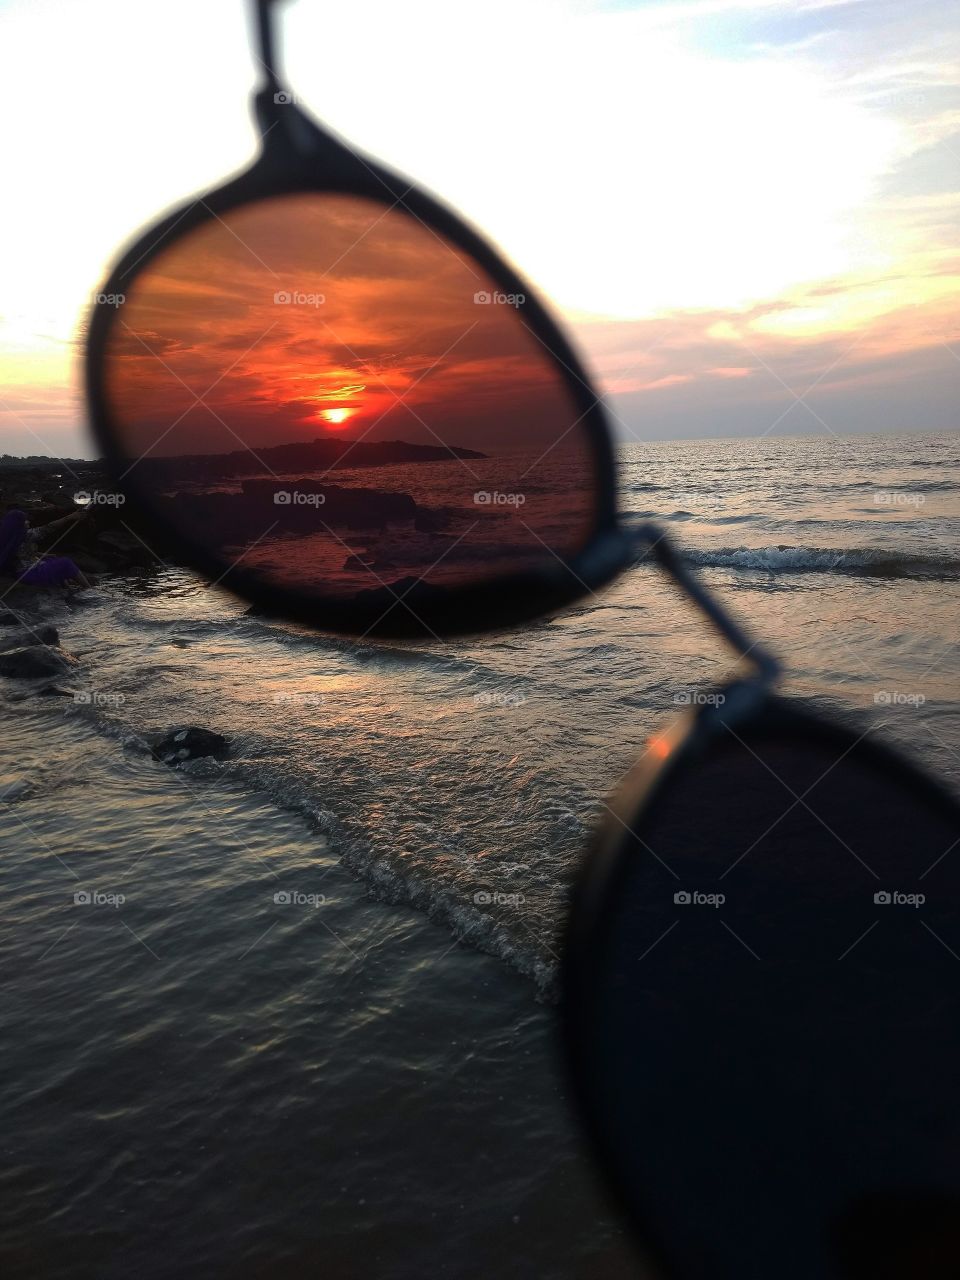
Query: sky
[[238, 336], [745, 212]]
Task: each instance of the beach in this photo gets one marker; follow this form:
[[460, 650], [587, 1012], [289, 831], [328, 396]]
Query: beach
[[319, 1027]]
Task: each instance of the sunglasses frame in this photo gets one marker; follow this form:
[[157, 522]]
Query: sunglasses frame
[[298, 156]]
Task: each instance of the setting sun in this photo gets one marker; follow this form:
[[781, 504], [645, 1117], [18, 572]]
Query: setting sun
[[336, 417]]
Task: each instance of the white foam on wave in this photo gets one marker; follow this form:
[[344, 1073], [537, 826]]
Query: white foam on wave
[[864, 561]]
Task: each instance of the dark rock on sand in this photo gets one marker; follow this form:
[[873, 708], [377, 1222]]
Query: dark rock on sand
[[119, 539], [433, 519], [40, 634], [8, 619], [88, 563], [306, 506], [31, 661], [189, 743]]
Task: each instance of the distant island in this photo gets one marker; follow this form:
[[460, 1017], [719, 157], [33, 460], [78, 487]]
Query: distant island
[[323, 454], [107, 540], [41, 460]]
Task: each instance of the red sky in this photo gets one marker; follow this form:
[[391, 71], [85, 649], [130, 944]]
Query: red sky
[[204, 355]]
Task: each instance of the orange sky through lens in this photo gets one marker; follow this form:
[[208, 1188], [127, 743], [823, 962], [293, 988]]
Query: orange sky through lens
[[308, 314]]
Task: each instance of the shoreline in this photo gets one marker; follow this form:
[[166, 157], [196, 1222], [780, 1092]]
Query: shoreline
[[289, 1067]]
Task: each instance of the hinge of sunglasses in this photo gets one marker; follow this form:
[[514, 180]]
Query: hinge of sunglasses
[[657, 543]]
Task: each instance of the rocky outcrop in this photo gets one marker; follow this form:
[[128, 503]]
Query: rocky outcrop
[[30, 662], [41, 633], [325, 453], [190, 743]]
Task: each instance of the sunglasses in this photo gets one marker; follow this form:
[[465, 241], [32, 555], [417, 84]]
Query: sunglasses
[[321, 389]]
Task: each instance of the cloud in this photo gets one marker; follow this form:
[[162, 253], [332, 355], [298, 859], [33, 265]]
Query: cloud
[[688, 182]]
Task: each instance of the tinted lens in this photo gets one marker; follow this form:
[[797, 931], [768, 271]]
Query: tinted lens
[[324, 390], [768, 1014]]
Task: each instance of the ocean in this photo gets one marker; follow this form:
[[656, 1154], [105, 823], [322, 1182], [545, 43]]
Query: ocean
[[300, 1020]]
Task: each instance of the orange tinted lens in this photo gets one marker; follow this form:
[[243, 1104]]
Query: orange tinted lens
[[325, 390]]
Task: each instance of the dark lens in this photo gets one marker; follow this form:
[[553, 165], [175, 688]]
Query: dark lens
[[324, 390], [766, 1016]]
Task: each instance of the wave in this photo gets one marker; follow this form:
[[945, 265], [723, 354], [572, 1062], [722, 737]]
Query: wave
[[869, 562], [917, 486]]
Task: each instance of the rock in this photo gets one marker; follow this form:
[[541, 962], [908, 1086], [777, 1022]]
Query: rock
[[306, 506], [31, 661], [433, 519], [120, 540], [88, 563], [60, 499], [41, 634], [8, 619], [189, 743]]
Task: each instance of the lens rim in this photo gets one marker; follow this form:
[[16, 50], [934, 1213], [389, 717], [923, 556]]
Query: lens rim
[[298, 157]]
